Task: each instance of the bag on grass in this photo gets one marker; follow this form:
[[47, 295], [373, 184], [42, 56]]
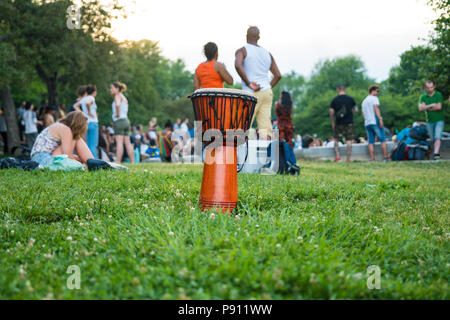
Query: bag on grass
[[417, 152], [287, 163], [96, 165], [14, 163], [64, 163]]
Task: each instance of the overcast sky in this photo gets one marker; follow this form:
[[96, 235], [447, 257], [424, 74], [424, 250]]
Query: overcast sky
[[298, 33]]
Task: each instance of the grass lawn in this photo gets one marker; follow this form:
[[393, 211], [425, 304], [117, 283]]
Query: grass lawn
[[139, 234]]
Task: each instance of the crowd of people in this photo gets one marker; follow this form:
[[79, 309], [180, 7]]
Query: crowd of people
[[119, 141], [253, 64], [343, 108]]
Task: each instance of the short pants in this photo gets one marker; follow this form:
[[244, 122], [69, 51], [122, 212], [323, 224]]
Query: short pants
[[435, 130], [122, 127], [374, 130], [43, 158], [344, 131]]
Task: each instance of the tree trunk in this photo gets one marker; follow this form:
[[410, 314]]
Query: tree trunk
[[52, 85], [52, 89], [10, 118]]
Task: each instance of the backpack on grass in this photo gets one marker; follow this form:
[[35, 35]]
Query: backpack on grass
[[287, 163], [417, 152]]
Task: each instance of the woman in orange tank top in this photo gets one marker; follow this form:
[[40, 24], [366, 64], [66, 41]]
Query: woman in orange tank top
[[211, 74]]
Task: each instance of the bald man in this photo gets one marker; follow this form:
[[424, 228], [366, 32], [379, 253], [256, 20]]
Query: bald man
[[253, 64]]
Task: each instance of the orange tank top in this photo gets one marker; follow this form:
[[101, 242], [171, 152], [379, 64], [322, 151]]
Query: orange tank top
[[209, 78]]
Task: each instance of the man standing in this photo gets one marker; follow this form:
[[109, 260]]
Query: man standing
[[341, 113], [374, 122], [431, 104], [253, 64]]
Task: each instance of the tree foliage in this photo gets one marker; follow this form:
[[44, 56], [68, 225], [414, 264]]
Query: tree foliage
[[294, 83], [414, 69], [312, 114], [327, 74], [440, 42]]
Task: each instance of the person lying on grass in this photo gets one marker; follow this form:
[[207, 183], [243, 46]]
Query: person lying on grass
[[63, 138]]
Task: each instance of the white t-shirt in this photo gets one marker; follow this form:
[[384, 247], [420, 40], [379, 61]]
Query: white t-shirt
[[29, 121], [369, 111], [93, 108]]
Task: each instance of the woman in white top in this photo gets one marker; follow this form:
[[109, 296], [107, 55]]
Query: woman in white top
[[89, 107], [121, 122]]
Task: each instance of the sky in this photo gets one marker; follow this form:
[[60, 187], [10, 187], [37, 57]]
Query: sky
[[298, 33]]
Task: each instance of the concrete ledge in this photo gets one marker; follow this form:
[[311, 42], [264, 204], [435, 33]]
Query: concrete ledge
[[360, 152]]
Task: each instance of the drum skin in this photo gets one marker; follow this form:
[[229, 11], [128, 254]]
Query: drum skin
[[223, 110]]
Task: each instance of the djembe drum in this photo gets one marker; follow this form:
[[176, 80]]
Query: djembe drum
[[230, 112]]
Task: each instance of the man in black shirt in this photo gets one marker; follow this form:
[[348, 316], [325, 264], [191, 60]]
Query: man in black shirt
[[341, 113]]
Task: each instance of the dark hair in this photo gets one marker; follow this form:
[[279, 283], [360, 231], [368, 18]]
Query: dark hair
[[90, 89], [429, 82], [286, 101], [28, 105], [168, 125], [340, 87], [373, 88], [306, 142], [210, 49], [121, 86], [81, 91]]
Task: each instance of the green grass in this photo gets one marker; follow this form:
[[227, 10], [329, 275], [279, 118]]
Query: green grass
[[139, 234]]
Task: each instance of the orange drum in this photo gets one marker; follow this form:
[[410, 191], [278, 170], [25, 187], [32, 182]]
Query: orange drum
[[224, 110]]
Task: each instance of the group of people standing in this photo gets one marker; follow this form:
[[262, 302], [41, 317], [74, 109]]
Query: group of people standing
[[252, 63], [77, 134], [343, 107], [86, 103]]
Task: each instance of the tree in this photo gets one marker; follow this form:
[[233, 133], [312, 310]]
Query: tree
[[328, 74], [414, 69], [180, 80], [293, 83], [313, 115], [9, 70], [440, 42], [155, 84], [40, 34]]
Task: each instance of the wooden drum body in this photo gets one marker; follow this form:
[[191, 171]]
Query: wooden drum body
[[223, 110]]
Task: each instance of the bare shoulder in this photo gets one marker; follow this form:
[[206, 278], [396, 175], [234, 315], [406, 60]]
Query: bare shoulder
[[219, 65], [58, 130], [241, 51]]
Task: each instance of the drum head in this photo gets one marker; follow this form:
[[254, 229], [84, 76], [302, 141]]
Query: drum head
[[219, 92]]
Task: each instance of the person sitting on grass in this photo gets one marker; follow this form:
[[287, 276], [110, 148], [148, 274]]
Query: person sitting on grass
[[62, 138]]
